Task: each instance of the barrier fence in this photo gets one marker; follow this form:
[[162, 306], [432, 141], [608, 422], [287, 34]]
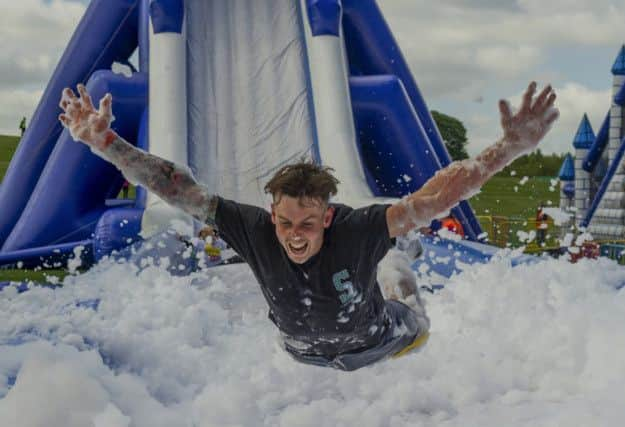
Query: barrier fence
[[614, 250], [514, 232]]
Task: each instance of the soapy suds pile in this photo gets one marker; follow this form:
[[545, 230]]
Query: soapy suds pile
[[121, 345]]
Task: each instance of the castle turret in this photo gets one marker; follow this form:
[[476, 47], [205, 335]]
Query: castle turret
[[584, 138]]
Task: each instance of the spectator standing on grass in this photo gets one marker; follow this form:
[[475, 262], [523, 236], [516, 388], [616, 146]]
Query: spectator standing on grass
[[22, 126], [542, 225]]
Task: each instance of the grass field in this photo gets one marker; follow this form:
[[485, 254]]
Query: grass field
[[515, 198], [506, 196], [8, 144], [35, 276]]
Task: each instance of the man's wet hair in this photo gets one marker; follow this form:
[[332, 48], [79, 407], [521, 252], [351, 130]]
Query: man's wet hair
[[303, 180]]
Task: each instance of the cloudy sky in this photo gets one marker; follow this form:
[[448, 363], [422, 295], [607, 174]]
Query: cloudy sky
[[465, 55]]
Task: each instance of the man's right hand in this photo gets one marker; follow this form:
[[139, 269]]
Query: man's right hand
[[84, 122]]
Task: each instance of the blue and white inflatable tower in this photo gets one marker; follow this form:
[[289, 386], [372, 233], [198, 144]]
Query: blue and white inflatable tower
[[608, 221], [599, 171]]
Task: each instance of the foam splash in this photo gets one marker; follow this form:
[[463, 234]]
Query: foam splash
[[540, 342]]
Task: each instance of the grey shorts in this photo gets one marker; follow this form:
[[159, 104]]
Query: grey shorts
[[403, 330]]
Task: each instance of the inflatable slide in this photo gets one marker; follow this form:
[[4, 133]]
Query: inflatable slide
[[234, 90]]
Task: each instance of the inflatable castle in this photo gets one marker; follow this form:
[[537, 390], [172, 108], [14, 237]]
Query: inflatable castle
[[593, 183], [234, 90]]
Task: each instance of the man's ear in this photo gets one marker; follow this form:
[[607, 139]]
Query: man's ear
[[273, 213], [327, 217]]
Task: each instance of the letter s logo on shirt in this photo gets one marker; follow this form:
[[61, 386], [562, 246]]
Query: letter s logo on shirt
[[344, 286]]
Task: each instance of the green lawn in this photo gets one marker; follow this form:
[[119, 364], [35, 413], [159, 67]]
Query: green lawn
[[507, 197], [41, 276], [8, 144]]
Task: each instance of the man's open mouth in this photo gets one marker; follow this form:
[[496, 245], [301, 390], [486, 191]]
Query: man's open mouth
[[298, 248]]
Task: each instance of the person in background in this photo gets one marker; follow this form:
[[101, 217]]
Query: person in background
[[211, 245], [448, 223], [216, 248], [542, 224], [22, 126], [125, 187]]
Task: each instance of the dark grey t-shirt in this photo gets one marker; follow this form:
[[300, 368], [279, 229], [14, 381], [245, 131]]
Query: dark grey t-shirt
[[331, 304]]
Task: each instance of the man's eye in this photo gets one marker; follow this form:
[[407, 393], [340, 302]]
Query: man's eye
[[307, 225]]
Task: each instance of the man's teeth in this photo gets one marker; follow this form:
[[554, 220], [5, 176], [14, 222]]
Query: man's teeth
[[297, 247]]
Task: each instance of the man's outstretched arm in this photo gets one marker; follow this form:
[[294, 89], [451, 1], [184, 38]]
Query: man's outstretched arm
[[461, 179], [171, 182]]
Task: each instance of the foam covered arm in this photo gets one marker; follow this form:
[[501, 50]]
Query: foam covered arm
[[171, 182], [462, 179]]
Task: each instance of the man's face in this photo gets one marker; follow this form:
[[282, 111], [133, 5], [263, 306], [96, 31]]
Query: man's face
[[300, 224]]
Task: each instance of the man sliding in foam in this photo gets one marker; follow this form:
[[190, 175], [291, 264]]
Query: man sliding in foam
[[316, 261]]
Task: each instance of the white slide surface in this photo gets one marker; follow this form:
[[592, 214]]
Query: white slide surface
[[253, 72]]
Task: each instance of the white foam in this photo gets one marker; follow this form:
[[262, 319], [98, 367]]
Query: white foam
[[540, 342]]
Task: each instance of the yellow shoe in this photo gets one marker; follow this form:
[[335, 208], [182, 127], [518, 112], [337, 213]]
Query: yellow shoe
[[418, 342], [212, 251]]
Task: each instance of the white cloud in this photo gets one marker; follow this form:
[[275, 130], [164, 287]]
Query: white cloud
[[448, 44], [34, 35], [459, 51], [463, 50], [573, 101], [504, 60]]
